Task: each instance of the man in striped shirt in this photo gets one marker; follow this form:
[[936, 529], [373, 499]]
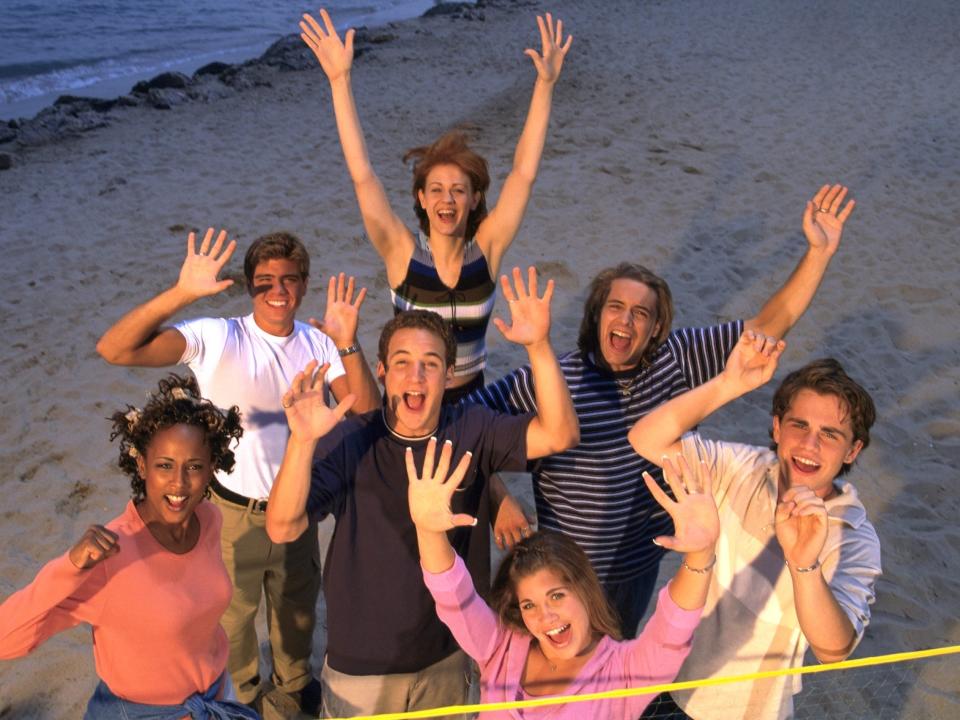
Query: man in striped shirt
[[627, 362]]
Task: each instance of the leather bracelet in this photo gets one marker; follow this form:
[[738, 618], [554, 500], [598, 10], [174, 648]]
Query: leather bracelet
[[349, 350], [806, 569], [703, 570]]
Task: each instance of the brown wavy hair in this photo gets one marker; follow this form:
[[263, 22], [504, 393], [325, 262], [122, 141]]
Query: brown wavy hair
[[589, 338], [177, 401], [450, 149], [551, 551], [827, 377]]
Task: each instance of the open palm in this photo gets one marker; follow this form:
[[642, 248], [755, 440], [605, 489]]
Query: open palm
[[200, 269], [695, 519], [305, 404], [554, 49], [429, 494]]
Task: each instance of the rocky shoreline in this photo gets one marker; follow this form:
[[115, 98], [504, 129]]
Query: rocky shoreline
[[72, 115]]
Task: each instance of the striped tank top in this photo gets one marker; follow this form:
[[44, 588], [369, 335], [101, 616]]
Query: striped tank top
[[467, 307]]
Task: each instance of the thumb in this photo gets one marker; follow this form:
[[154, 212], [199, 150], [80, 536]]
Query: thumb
[[462, 520], [501, 326], [666, 541], [316, 323]]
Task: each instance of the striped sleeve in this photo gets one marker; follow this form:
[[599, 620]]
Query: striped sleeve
[[513, 393], [702, 353]]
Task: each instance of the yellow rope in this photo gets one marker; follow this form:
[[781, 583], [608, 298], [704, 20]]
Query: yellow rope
[[669, 687]]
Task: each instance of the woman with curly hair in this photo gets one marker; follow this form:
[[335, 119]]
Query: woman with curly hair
[[151, 582]]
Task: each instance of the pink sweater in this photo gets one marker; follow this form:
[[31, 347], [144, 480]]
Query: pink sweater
[[654, 657], [155, 615]]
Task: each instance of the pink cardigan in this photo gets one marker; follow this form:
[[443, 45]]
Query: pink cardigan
[[654, 657], [155, 615]]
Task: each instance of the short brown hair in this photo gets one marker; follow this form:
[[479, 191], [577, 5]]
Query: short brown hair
[[589, 339], [419, 320], [450, 149], [827, 377], [551, 551], [275, 246]]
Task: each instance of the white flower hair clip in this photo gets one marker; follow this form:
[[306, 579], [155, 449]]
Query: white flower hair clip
[[133, 417]]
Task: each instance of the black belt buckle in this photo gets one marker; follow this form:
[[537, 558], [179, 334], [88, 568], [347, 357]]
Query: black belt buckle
[[257, 507]]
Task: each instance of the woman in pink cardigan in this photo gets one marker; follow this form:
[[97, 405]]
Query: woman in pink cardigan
[[553, 632], [151, 582]]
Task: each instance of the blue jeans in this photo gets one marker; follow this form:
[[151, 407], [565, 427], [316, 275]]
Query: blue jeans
[[105, 705], [630, 599]]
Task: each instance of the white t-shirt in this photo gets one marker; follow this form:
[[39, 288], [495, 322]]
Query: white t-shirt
[[238, 363]]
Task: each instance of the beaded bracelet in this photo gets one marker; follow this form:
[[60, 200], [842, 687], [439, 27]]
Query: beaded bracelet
[[703, 570], [806, 569]]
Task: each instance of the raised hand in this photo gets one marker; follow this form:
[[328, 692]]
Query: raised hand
[[555, 49], [801, 525], [823, 218], [429, 494], [695, 520], [96, 545], [511, 524], [335, 56], [198, 274], [529, 313], [305, 404], [753, 360], [342, 313]]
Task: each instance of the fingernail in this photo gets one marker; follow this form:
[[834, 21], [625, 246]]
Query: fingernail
[[470, 453], [474, 523], [654, 541], [448, 442]]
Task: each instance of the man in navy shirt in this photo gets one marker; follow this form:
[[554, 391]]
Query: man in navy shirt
[[387, 651]]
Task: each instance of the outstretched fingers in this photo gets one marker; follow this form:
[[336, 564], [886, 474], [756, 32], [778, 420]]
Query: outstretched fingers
[[658, 494]]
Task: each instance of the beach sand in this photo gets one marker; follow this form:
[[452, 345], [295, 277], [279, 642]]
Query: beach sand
[[686, 135]]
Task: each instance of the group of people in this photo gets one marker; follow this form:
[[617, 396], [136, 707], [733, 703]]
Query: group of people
[[232, 469]]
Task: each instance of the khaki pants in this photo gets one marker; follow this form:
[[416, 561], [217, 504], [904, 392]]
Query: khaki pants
[[289, 573], [441, 684]]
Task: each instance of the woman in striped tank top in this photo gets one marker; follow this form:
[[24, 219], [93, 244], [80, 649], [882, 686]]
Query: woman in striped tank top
[[451, 268]]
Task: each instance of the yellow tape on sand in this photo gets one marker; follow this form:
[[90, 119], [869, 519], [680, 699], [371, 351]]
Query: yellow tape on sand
[[657, 689]]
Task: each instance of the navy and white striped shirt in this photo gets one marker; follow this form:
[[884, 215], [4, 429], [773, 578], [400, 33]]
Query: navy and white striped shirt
[[594, 493]]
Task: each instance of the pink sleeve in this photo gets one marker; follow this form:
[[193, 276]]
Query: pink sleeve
[[60, 597], [656, 655], [473, 624]]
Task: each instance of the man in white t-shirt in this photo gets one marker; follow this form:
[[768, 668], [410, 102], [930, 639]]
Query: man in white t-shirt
[[250, 362], [797, 560]]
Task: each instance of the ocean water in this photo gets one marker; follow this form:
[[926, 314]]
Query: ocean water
[[101, 48]]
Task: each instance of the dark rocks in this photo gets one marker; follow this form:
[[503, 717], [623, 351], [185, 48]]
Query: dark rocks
[[214, 68], [74, 104], [455, 11], [289, 53], [166, 98], [176, 80], [6, 161], [59, 121], [71, 115], [8, 132]]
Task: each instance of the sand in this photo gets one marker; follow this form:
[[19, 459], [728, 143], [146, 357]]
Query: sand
[[686, 135]]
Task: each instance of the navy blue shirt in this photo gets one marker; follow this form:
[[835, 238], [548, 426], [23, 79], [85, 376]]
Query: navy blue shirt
[[380, 617]]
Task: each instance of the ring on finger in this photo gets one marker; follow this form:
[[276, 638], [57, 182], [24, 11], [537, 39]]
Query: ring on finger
[[287, 403]]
